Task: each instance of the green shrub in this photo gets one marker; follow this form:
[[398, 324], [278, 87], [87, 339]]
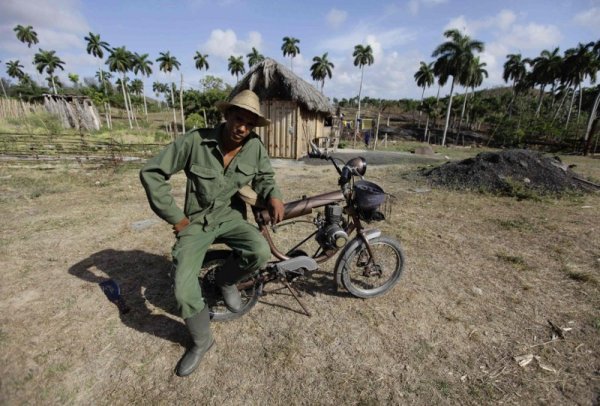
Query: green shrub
[[194, 120]]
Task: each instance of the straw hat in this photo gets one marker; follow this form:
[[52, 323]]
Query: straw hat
[[247, 100]]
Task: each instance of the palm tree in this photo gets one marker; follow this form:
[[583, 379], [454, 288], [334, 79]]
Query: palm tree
[[454, 57], [201, 61], [137, 87], [254, 57], [26, 35], [430, 107], [167, 64], [577, 64], [14, 69], [48, 61], [142, 65], [2, 86], [96, 47], [121, 60], [363, 55], [159, 88], [587, 138], [321, 69], [514, 68], [546, 70], [236, 66], [424, 78], [472, 77], [74, 78], [290, 48]]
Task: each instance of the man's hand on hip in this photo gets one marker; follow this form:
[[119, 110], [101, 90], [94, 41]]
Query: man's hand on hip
[[177, 228]]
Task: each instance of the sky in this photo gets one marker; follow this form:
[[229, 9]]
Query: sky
[[401, 34]]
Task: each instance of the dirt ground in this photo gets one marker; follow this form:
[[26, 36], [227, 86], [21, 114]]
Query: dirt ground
[[471, 321]]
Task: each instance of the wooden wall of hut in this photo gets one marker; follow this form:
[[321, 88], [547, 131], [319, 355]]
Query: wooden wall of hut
[[291, 129]]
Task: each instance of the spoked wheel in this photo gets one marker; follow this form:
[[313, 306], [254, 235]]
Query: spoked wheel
[[249, 288], [365, 277]]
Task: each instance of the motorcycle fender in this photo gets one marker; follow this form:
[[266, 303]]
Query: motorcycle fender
[[340, 263]]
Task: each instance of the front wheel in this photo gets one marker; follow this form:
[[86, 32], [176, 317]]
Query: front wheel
[[365, 276], [249, 288]]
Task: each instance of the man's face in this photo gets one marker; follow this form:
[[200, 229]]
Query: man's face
[[239, 124]]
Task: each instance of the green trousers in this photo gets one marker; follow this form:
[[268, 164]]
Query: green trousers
[[249, 247]]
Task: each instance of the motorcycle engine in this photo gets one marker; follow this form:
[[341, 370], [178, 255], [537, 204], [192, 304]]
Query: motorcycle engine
[[331, 233]]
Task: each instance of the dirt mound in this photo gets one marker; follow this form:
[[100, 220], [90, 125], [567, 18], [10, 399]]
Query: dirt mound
[[511, 172]]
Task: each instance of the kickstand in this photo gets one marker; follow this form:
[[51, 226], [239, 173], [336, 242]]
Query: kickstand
[[296, 295]]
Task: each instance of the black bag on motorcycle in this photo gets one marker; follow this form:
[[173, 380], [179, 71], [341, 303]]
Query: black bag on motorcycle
[[368, 198]]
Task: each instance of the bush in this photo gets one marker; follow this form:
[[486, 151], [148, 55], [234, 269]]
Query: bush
[[194, 120]]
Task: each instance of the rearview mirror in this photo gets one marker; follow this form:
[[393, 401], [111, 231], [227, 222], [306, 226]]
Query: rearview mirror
[[357, 166]]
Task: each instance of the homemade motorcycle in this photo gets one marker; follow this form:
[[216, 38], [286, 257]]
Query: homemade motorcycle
[[368, 265]]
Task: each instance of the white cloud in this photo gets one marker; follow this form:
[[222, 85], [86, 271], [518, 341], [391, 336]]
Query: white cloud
[[335, 18], [532, 36], [364, 34], [589, 19], [224, 43], [503, 21], [415, 5], [59, 24]]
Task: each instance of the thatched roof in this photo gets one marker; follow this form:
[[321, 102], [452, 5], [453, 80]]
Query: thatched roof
[[271, 80]]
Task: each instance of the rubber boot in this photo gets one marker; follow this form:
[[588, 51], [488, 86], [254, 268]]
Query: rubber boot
[[232, 297], [226, 279], [199, 327]]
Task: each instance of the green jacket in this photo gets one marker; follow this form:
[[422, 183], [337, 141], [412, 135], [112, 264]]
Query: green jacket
[[210, 197]]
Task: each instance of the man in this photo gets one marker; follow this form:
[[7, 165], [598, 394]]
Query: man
[[217, 164]]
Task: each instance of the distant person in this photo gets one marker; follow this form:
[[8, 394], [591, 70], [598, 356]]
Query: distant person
[[367, 137], [217, 163]]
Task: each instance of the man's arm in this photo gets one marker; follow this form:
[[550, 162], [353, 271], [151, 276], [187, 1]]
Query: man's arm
[[265, 186], [155, 175]]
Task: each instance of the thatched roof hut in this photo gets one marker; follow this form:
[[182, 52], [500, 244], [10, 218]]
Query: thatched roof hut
[[74, 111], [296, 108]]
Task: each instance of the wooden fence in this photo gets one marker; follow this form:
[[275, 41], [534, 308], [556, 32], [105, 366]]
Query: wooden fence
[[64, 147], [12, 108]]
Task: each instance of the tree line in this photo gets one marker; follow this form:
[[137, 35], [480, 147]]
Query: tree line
[[556, 80]]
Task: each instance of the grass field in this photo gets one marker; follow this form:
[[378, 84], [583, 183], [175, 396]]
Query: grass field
[[471, 321]]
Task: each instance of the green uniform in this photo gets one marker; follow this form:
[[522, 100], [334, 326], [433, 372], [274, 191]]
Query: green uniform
[[211, 204]]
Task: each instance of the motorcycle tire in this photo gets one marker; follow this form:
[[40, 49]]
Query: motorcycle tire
[[213, 261], [366, 279]]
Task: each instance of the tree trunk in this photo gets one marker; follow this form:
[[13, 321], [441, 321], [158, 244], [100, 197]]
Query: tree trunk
[[181, 104], [570, 108], [173, 107], [53, 84], [560, 107], [3, 89], [425, 134], [448, 113], [539, 107], [106, 111], [420, 111], [462, 113], [587, 138], [125, 100], [133, 116], [362, 71], [145, 105]]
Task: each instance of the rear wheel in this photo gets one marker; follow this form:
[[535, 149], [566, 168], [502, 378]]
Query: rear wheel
[[367, 277], [249, 288]]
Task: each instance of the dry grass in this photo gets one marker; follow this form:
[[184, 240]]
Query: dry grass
[[484, 275]]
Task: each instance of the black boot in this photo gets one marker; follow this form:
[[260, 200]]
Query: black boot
[[226, 279], [199, 327]]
